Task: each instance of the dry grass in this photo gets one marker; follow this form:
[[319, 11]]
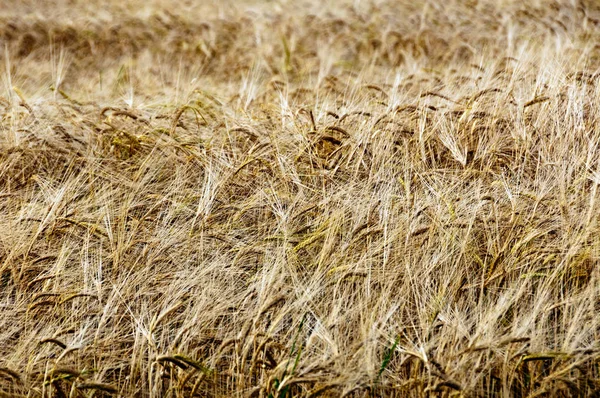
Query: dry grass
[[368, 198]]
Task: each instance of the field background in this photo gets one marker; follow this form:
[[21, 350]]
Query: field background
[[312, 198]]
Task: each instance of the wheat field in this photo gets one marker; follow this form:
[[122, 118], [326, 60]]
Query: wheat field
[[298, 199]]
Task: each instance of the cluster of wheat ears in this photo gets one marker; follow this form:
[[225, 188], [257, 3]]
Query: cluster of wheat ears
[[277, 199]]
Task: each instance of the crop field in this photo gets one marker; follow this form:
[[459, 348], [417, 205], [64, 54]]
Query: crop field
[[368, 198]]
